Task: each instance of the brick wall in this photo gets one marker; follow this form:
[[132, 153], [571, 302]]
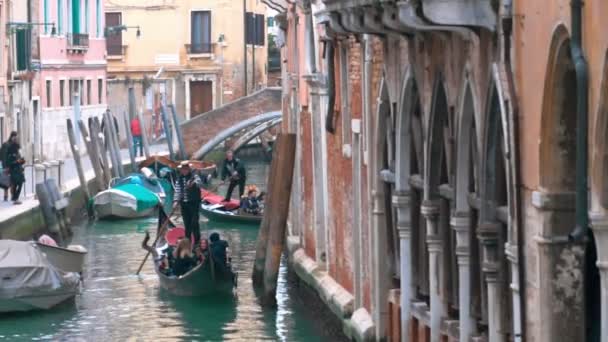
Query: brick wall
[[201, 129]]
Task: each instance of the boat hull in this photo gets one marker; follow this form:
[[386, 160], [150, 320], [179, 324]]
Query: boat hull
[[112, 204], [227, 216], [198, 282], [34, 302], [69, 259]]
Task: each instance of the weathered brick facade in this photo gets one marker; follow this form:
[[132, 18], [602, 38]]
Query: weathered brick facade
[[450, 184]]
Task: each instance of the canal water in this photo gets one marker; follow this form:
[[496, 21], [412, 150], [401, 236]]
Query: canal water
[[117, 305]]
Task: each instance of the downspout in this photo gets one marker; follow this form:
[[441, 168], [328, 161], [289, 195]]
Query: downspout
[[582, 74], [245, 47], [331, 84]]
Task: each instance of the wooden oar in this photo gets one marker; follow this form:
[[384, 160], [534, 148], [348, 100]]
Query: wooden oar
[[159, 233]]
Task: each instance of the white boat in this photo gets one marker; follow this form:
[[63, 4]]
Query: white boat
[[131, 197], [30, 281], [70, 259]]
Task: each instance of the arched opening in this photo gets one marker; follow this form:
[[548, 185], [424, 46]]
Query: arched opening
[[558, 179], [495, 210], [439, 191]]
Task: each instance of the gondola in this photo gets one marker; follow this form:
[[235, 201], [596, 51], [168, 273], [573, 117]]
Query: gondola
[[218, 212], [203, 279], [214, 208]]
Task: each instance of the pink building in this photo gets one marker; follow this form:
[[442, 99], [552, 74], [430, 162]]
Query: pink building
[[66, 57]]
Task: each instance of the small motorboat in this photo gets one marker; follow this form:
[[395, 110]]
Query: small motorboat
[[30, 281], [137, 195], [215, 208], [203, 279], [70, 259]]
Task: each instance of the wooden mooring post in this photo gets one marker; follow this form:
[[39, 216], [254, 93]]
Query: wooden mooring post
[[78, 162], [178, 133], [276, 213], [167, 129], [92, 156], [130, 143], [96, 135], [109, 144]]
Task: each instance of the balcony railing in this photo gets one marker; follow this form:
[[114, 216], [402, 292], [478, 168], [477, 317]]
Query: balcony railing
[[198, 49], [78, 40], [117, 50]]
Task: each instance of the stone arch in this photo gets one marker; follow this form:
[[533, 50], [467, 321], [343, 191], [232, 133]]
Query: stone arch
[[466, 144], [599, 181], [566, 317], [558, 119]]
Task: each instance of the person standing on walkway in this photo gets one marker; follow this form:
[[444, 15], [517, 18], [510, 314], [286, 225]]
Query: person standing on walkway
[[5, 170], [136, 133], [234, 170], [188, 197], [15, 165]]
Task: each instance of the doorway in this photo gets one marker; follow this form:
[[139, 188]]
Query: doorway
[[201, 97]]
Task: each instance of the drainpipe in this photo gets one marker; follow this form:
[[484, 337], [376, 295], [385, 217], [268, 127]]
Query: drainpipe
[[245, 47], [331, 84], [582, 75]]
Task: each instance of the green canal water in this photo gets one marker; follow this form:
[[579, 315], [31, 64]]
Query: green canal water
[[117, 305]]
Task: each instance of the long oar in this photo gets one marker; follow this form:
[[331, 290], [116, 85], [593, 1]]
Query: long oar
[[158, 235]]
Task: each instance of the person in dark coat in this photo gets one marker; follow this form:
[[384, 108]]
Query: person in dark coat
[[218, 250], [188, 196], [15, 164], [234, 170], [5, 169]]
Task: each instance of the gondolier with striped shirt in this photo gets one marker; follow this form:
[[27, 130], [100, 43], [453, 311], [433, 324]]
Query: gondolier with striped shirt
[[188, 196]]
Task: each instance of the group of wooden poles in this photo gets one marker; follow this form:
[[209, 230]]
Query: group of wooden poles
[[272, 234]]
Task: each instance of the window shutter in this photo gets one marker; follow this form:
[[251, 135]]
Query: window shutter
[[23, 49], [260, 23], [250, 38]]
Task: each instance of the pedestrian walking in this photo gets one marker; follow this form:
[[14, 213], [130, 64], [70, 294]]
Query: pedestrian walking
[[5, 183], [15, 162], [136, 133]]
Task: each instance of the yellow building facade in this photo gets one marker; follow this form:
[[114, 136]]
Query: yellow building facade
[[191, 53]]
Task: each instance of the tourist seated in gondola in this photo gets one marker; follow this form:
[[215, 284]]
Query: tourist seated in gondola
[[162, 260], [183, 259], [218, 250], [252, 204], [202, 253]]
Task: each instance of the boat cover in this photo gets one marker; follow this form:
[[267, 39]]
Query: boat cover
[[212, 198], [25, 271]]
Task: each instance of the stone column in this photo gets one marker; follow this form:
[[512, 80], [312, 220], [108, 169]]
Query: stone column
[[430, 210], [461, 224], [401, 201], [599, 222], [512, 256], [488, 236]]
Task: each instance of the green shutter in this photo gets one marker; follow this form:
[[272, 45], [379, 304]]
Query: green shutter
[[23, 51], [59, 17], [75, 16]]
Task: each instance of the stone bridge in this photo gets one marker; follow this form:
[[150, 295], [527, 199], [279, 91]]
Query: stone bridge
[[202, 128]]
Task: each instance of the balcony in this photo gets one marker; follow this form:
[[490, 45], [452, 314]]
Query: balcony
[[203, 50], [116, 52], [78, 42]]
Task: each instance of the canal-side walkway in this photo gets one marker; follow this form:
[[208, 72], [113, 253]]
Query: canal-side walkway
[[69, 178]]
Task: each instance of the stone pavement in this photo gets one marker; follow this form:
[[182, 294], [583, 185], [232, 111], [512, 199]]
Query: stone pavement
[[69, 177]]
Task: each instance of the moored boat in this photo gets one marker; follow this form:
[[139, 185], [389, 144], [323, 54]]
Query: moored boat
[[70, 259], [29, 280], [203, 279], [131, 197]]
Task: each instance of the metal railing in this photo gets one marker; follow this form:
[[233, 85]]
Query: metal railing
[[194, 49], [78, 40]]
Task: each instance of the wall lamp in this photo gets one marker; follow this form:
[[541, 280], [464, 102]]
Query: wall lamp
[[110, 30], [13, 27]]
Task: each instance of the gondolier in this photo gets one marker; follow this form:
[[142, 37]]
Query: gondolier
[[234, 170], [188, 196]]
